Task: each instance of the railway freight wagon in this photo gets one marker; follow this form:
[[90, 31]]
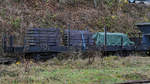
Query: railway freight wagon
[[47, 42]]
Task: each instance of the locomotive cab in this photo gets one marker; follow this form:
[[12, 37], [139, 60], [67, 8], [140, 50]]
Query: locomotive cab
[[145, 29], [145, 43]]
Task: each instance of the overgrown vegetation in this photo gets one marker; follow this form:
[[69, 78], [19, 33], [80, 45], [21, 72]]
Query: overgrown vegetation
[[111, 70], [117, 15]]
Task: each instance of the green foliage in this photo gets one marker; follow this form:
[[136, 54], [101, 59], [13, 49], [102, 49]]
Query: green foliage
[[47, 21], [3, 12], [15, 22], [133, 76], [66, 71], [9, 73], [108, 21], [17, 0], [111, 3]]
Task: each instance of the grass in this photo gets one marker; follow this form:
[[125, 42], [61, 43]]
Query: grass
[[111, 70]]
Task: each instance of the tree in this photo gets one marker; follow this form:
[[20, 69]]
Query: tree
[[66, 1], [96, 3]]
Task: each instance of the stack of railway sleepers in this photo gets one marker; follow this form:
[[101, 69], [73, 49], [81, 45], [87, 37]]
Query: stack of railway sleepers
[[41, 39], [80, 38]]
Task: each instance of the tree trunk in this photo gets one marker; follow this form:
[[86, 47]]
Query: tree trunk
[[66, 1], [96, 2]]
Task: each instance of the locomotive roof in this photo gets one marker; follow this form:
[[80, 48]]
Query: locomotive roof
[[144, 23]]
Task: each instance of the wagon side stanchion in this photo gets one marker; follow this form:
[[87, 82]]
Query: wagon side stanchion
[[105, 41], [11, 43], [4, 43], [121, 53], [37, 57], [68, 36], [139, 37], [88, 43]]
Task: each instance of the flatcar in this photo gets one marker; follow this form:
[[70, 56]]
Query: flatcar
[[47, 42]]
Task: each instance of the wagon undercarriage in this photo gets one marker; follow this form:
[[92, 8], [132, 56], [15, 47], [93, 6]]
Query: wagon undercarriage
[[47, 42]]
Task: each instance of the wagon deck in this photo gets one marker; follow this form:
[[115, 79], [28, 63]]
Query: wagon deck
[[51, 40]]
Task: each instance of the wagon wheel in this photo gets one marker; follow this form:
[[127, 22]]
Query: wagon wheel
[[123, 53], [147, 53], [36, 57], [27, 56], [105, 53], [53, 55]]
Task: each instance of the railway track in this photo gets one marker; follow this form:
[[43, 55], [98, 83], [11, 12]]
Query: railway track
[[136, 82], [7, 60]]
